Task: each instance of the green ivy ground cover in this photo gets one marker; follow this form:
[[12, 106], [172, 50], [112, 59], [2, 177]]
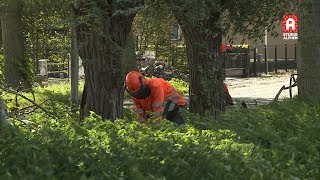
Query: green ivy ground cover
[[277, 142]]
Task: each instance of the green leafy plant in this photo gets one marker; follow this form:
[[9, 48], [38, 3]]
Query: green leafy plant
[[276, 142], [180, 85]]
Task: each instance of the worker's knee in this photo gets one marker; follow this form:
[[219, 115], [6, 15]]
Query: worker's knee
[[175, 116]]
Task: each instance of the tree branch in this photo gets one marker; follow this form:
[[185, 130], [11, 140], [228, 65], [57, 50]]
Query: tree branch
[[33, 102]]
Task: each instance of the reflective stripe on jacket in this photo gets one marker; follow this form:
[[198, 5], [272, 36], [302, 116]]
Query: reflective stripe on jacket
[[161, 93]]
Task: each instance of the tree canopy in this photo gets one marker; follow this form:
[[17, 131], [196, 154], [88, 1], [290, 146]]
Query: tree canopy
[[204, 23], [104, 26]]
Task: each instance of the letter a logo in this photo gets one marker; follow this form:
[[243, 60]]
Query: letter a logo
[[290, 24]]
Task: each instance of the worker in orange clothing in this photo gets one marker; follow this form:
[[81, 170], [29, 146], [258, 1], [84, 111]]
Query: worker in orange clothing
[[155, 95], [227, 97]]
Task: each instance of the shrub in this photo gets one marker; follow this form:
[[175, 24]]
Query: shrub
[[277, 142]]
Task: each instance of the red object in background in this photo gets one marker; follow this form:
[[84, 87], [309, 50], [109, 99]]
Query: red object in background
[[290, 23], [225, 48]]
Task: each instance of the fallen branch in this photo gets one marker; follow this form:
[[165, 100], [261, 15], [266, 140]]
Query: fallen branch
[[33, 102], [24, 110], [292, 79], [20, 89]]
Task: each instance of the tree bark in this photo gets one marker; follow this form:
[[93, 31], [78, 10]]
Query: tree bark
[[308, 49], [205, 66], [74, 55], [101, 44], [13, 43], [3, 119], [129, 58], [202, 34]]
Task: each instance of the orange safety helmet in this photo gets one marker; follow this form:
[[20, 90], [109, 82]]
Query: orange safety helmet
[[135, 85], [133, 81]]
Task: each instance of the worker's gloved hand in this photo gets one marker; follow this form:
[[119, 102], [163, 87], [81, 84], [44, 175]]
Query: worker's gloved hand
[[143, 121], [156, 123]]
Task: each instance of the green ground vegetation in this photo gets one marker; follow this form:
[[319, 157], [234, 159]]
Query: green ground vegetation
[[280, 141]]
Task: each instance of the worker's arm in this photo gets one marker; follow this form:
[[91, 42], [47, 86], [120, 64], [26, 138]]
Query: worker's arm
[[158, 102], [141, 114]]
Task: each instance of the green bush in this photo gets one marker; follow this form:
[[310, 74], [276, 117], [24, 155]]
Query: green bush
[[277, 142], [180, 85]]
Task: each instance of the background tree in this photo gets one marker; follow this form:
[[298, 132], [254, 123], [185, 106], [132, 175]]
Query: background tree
[[74, 56], [47, 30], [3, 119], [102, 33], [152, 30], [309, 45], [203, 24], [13, 43], [44, 31]]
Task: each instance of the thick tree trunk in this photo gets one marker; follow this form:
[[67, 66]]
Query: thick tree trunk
[[101, 44], [103, 77], [13, 42], [203, 41], [206, 73], [308, 45]]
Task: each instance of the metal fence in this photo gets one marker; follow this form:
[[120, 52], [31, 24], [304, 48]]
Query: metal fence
[[54, 70], [272, 59]]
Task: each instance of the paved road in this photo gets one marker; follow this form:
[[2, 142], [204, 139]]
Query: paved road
[[262, 89]]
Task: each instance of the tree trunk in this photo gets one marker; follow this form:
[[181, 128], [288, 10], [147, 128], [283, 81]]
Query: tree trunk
[[203, 41], [129, 59], [74, 55], [308, 45], [13, 43], [103, 76], [3, 119], [205, 66], [141, 41], [1, 43], [101, 43], [37, 69]]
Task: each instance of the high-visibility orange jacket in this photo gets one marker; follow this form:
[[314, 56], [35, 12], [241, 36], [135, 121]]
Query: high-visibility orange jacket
[[227, 96], [161, 93], [225, 88]]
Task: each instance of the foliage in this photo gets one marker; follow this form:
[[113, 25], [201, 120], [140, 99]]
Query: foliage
[[152, 26], [177, 55], [204, 23], [181, 86], [47, 30], [152, 29], [277, 142], [247, 17]]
